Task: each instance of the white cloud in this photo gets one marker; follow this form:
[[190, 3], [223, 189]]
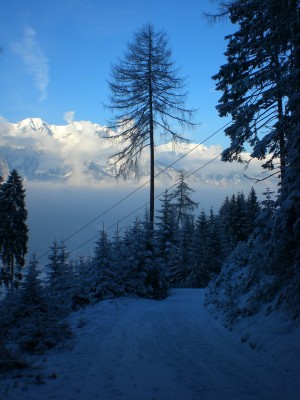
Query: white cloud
[[34, 59], [69, 116]]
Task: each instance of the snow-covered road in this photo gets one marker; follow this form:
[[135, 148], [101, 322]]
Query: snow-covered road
[[138, 349]]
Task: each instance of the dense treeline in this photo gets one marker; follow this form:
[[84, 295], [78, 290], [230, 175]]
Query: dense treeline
[[247, 253], [181, 250], [260, 85]]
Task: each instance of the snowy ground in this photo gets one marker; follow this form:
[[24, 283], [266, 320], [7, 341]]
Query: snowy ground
[[137, 349]]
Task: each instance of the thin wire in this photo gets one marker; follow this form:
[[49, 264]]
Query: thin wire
[[142, 185], [134, 191], [144, 205]]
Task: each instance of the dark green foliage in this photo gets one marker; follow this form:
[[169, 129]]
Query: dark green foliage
[[261, 91], [82, 293], [254, 79], [200, 273], [13, 229], [213, 245], [225, 219], [183, 204], [102, 270], [166, 237], [253, 209], [30, 320], [60, 280], [184, 255], [136, 259]]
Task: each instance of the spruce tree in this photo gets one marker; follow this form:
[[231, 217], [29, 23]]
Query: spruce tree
[[13, 229], [34, 329], [239, 223], [199, 275], [184, 255], [253, 209], [261, 86], [104, 278], [254, 79], [165, 242], [182, 201], [225, 227], [81, 282], [213, 245], [60, 280], [136, 273]]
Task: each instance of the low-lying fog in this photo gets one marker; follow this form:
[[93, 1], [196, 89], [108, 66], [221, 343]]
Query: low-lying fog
[[57, 211]]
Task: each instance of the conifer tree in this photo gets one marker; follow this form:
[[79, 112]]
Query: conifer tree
[[31, 320], [166, 231], [165, 242], [183, 204], [199, 276], [147, 95], [119, 261], [184, 255], [60, 280], [239, 223], [148, 251], [81, 282], [253, 209], [260, 85], [13, 228], [213, 245], [254, 79], [136, 267], [104, 279], [225, 226], [32, 329]]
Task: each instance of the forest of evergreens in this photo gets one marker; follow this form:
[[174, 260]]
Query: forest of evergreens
[[247, 253]]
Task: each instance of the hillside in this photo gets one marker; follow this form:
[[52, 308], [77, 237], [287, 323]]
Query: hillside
[[132, 348]]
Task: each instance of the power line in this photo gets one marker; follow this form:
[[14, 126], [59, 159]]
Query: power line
[[144, 205], [137, 189]]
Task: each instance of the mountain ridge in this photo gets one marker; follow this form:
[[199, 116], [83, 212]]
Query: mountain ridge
[[79, 152]]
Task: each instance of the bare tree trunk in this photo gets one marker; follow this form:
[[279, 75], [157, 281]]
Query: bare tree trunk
[[151, 135], [151, 173], [12, 271]]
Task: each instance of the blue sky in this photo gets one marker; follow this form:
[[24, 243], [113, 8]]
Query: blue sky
[[57, 55]]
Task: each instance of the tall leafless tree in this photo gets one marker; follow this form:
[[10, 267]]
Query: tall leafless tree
[[146, 96]]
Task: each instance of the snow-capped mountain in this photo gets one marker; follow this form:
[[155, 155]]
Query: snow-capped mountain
[[78, 153]]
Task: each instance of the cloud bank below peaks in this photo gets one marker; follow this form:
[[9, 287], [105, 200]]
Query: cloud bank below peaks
[[77, 153]]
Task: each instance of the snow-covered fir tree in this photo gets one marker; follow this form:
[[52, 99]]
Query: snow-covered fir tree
[[137, 258], [104, 277], [252, 81], [182, 202], [101, 269], [60, 279], [166, 239], [82, 288], [261, 86], [184, 255], [30, 321]]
